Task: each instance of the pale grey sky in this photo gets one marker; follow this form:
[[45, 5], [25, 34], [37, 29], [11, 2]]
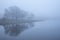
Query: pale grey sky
[[44, 8]]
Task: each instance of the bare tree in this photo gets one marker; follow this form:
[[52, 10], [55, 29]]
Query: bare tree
[[15, 13]]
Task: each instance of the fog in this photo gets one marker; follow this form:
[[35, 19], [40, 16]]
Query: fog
[[47, 29], [38, 7]]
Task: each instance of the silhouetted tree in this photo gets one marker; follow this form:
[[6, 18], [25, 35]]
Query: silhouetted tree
[[15, 13]]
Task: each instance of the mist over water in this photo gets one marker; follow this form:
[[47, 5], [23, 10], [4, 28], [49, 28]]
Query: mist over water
[[47, 29], [42, 30]]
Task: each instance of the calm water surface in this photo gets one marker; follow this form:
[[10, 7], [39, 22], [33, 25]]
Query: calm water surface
[[49, 29]]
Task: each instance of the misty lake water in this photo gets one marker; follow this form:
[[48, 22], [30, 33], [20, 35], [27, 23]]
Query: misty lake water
[[49, 29]]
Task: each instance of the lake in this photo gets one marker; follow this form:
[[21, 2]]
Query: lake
[[45, 30]]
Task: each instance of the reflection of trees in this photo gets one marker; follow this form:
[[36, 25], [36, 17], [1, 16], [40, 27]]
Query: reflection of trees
[[14, 13]]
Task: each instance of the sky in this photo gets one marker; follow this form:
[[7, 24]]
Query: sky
[[41, 8]]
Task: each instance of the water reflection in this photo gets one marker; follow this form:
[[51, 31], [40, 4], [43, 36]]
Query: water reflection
[[16, 29]]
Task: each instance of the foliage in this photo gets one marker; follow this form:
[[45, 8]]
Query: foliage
[[15, 13]]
